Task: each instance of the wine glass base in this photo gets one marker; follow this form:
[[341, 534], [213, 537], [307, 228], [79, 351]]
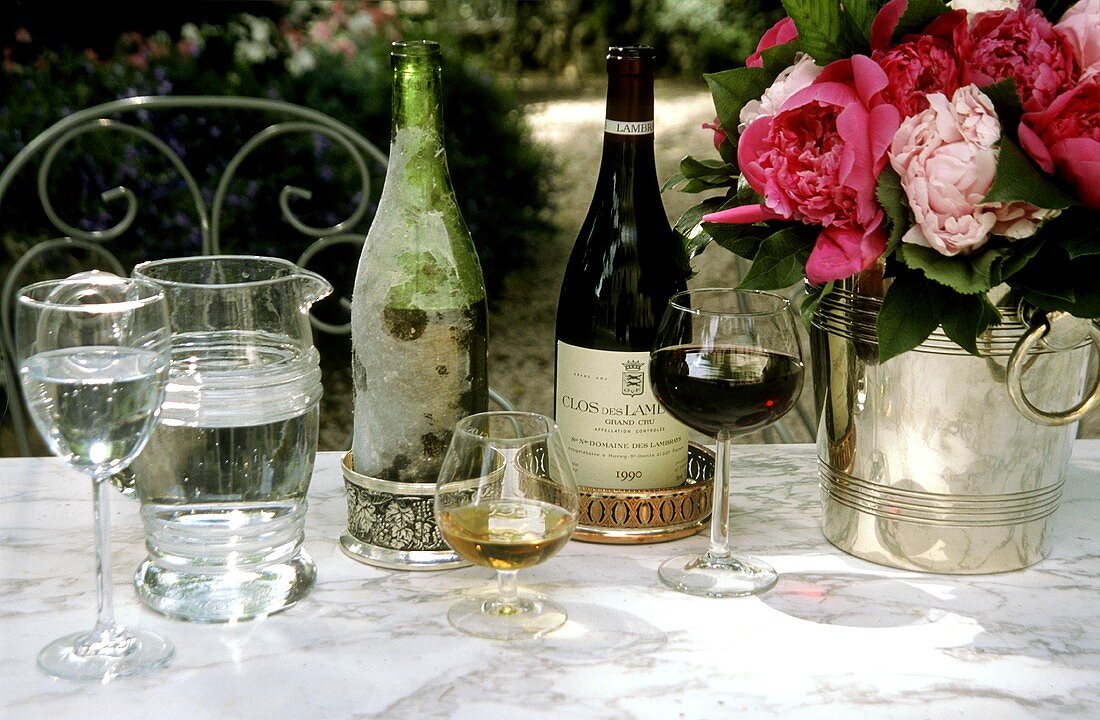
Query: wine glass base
[[91, 656], [530, 617], [717, 575]]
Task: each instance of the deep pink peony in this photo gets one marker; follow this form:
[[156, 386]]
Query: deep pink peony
[[817, 161], [719, 135], [917, 68], [1080, 26], [779, 34], [792, 79], [1064, 139], [1019, 44]]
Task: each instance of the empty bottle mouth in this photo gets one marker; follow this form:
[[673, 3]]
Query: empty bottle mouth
[[631, 60], [415, 48], [617, 52]]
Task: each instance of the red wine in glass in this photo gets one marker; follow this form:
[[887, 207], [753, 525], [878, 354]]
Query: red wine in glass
[[725, 386]]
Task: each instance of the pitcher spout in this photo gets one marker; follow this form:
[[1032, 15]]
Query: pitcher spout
[[314, 287]]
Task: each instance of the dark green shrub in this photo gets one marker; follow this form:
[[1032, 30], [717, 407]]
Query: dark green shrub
[[500, 176]]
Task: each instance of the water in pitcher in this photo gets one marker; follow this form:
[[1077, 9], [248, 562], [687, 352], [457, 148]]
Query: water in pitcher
[[223, 480]]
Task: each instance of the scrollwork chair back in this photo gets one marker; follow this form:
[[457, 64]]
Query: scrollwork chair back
[[128, 118]]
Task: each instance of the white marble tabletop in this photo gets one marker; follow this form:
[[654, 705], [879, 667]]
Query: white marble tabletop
[[838, 636]]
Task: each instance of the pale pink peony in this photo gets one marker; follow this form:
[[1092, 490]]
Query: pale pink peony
[[781, 33], [817, 161], [977, 6], [1080, 26], [1019, 44], [947, 158], [792, 79], [1064, 139]]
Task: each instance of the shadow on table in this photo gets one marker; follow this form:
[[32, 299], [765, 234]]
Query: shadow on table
[[598, 634], [852, 600]]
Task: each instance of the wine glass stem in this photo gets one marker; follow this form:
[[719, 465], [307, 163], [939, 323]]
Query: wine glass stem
[[720, 506], [507, 587], [101, 509]]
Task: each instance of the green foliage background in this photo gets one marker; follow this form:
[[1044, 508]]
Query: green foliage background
[[502, 179]]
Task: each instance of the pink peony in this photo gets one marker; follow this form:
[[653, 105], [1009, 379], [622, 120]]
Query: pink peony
[[1080, 27], [1064, 139], [947, 157], [781, 33], [1019, 44], [917, 68], [719, 134], [817, 161], [792, 79]]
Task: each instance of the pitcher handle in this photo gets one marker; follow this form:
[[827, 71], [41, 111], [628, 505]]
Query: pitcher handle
[[1041, 325]]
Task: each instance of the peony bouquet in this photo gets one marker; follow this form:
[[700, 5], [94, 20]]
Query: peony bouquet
[[956, 146]]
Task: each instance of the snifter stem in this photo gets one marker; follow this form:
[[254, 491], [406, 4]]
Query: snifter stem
[[507, 592]]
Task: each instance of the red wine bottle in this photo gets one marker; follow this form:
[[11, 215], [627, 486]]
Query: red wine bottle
[[625, 265]]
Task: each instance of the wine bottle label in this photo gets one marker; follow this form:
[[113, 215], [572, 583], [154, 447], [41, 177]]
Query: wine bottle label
[[617, 433], [620, 127]]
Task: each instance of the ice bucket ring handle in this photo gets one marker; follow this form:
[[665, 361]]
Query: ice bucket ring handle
[[1041, 325]]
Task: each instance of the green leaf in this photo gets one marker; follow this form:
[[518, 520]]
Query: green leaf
[[693, 237], [1077, 231], [731, 89], [967, 275], [701, 175], [856, 19], [910, 312], [1021, 253], [698, 185], [745, 194], [810, 302], [819, 29], [1017, 179], [779, 57], [965, 317], [893, 200], [742, 240], [1053, 281], [779, 262], [694, 168], [917, 15], [1006, 101]]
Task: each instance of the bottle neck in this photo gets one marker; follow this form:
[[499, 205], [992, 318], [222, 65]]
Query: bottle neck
[[417, 154], [628, 125], [417, 95], [629, 105]]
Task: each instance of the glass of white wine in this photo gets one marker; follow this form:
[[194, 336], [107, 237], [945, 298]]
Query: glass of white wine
[[93, 353], [506, 499]]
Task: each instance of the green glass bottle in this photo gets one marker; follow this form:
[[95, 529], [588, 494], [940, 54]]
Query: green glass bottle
[[419, 323]]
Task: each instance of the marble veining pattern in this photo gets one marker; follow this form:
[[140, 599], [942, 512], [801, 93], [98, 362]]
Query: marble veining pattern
[[838, 637]]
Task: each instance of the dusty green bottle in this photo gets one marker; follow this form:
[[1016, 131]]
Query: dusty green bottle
[[418, 311]]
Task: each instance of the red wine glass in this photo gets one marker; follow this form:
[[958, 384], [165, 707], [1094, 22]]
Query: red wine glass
[[725, 362]]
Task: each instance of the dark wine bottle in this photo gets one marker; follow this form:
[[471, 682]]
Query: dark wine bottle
[[624, 267]]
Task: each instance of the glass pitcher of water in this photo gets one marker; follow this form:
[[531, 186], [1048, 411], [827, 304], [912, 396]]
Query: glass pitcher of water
[[223, 480]]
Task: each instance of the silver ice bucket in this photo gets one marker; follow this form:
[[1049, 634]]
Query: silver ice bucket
[[937, 460]]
